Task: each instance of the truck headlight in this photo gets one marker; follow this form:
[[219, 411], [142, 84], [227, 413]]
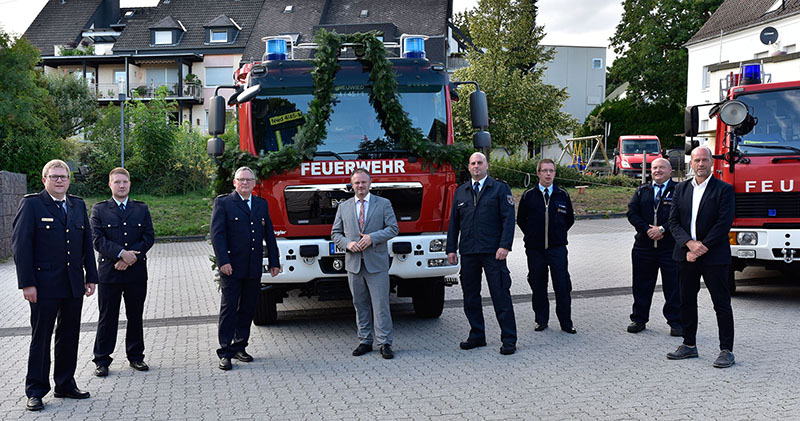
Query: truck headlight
[[625, 164], [438, 244], [747, 238]]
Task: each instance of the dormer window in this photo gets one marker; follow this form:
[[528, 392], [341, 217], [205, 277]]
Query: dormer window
[[162, 37], [222, 30], [219, 35]]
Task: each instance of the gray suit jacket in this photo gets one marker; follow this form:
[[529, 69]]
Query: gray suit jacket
[[380, 224]]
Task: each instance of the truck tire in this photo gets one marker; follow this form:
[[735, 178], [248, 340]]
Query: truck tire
[[428, 298], [732, 280], [266, 312]]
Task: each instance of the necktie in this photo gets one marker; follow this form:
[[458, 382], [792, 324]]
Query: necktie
[[476, 188], [248, 203], [546, 195], [62, 206], [361, 215], [659, 188], [122, 207]]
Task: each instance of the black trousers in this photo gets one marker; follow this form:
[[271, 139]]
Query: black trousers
[[646, 263], [109, 297], [239, 298], [499, 280], [554, 261], [45, 313], [716, 279]]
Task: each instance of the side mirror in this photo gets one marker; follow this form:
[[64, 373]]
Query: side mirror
[[478, 109], [690, 121], [616, 151], [215, 147], [482, 140], [453, 89], [216, 115]]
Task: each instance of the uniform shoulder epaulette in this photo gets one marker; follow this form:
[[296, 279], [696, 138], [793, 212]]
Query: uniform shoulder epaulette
[[74, 196], [222, 195], [136, 201], [31, 195]]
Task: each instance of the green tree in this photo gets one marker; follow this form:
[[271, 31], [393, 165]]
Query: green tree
[[509, 68], [649, 42], [29, 120], [152, 139], [77, 104]]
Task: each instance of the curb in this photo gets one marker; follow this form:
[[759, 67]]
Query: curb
[[600, 216], [180, 238]]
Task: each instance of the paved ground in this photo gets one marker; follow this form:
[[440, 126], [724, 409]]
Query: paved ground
[[303, 368]]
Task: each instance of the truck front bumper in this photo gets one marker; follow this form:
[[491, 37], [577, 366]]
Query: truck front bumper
[[772, 245]]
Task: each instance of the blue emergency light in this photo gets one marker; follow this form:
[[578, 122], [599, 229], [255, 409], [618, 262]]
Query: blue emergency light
[[414, 47], [276, 49], [751, 74]]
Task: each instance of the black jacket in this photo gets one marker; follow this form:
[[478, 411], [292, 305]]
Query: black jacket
[[530, 218], [52, 253], [485, 224], [238, 235], [640, 214], [714, 220], [114, 231]]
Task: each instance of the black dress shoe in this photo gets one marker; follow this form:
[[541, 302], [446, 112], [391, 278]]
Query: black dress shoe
[[72, 394], [101, 371], [570, 330], [472, 343], [225, 363], [139, 365], [34, 404], [508, 349], [386, 352], [540, 327], [243, 357], [362, 349], [635, 327]]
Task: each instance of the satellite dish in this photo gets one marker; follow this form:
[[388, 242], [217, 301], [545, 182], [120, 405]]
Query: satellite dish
[[769, 35]]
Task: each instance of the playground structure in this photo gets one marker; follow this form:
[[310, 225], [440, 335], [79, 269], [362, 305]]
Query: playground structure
[[579, 147]]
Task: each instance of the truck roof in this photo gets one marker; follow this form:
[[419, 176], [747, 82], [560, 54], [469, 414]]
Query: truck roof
[[637, 136]]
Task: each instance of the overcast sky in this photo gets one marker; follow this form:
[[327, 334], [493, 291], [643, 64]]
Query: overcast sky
[[566, 22]]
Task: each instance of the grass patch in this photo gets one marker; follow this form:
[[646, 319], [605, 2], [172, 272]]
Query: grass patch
[[595, 200], [188, 214]]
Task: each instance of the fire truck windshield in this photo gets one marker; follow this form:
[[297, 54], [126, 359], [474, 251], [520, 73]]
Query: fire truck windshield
[[777, 131], [354, 131]]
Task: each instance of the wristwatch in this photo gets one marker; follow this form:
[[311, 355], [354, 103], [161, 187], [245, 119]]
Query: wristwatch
[[661, 229]]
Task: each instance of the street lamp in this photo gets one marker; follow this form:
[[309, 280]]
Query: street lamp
[[121, 85]]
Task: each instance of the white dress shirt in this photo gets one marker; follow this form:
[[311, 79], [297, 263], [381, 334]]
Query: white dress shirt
[[697, 196]]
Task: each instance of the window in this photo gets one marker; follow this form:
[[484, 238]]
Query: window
[[219, 35], [706, 78], [790, 48], [216, 76], [597, 63], [163, 37], [119, 76], [168, 77], [761, 54], [703, 125]]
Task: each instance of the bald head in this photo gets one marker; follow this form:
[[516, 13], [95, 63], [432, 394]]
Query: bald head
[[478, 166], [661, 170]]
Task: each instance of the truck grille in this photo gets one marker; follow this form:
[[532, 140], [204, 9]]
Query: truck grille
[[768, 205]]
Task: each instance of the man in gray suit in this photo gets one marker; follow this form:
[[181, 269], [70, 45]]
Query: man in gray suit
[[363, 226]]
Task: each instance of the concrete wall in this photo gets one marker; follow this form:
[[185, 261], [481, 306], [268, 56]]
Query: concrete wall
[[12, 188]]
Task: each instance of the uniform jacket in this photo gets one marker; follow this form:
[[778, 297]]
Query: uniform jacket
[[114, 231], [52, 253], [238, 235], [486, 223], [640, 214], [380, 224], [530, 218], [714, 220]]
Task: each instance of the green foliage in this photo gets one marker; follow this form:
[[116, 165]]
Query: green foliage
[[382, 96], [516, 171], [649, 42], [77, 104], [83, 50], [629, 117], [29, 120], [510, 69]]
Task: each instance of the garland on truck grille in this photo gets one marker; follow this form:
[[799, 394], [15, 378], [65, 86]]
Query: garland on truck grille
[[382, 96]]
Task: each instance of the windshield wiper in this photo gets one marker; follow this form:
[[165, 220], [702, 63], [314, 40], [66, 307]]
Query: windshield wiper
[[791, 148]]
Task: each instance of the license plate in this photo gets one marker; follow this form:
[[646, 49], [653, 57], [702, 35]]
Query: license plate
[[334, 249]]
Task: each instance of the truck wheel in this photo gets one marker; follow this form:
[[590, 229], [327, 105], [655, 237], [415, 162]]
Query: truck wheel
[[732, 280], [428, 297], [266, 312]]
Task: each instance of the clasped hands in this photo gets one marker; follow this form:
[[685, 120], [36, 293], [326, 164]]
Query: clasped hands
[[126, 259], [654, 232], [360, 245], [696, 249]]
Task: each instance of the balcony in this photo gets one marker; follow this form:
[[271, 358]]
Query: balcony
[[109, 92]]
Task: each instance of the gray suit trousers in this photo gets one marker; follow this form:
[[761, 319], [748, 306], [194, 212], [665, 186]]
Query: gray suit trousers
[[371, 300]]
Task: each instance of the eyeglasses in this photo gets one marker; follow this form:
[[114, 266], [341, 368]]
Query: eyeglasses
[[245, 180], [58, 177]]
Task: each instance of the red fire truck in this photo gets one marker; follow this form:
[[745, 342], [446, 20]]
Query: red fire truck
[[757, 150], [303, 201]]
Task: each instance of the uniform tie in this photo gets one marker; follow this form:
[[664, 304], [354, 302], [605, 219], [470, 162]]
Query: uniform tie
[[546, 195], [659, 189], [361, 215], [248, 204], [62, 204], [122, 207]]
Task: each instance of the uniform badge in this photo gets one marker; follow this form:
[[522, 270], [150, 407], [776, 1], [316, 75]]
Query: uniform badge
[[47, 219], [510, 199]]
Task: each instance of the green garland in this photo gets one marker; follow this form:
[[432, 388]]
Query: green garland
[[383, 97]]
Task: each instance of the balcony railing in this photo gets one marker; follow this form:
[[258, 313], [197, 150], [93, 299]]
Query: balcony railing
[[110, 91]]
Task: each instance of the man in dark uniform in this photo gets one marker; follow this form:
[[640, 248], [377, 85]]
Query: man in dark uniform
[[483, 212], [240, 225], [123, 233], [545, 215], [648, 212], [55, 267]]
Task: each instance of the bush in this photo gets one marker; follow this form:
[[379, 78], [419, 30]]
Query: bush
[[515, 170]]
